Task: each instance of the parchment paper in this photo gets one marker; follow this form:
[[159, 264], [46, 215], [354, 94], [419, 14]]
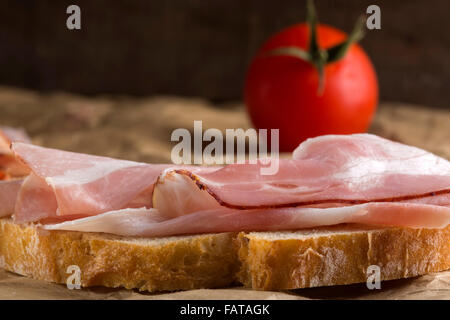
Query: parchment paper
[[140, 129]]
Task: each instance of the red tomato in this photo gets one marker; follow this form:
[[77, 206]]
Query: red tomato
[[282, 91]]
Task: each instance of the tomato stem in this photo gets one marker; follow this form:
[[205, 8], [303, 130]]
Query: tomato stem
[[318, 57], [338, 51], [311, 19]]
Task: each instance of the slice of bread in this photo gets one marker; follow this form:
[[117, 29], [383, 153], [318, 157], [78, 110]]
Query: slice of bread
[[260, 260], [166, 264], [339, 255]]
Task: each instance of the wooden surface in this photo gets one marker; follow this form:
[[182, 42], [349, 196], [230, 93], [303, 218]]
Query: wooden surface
[[140, 129]]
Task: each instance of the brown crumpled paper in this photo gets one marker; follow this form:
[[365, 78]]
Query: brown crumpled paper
[[435, 286], [139, 129]]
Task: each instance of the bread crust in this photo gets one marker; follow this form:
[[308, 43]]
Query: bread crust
[[328, 256], [175, 263], [292, 262]]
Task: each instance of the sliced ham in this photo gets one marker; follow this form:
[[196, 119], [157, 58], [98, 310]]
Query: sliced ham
[[149, 223], [330, 180], [9, 135], [71, 184], [65, 183], [348, 169], [11, 168], [35, 201], [8, 194]]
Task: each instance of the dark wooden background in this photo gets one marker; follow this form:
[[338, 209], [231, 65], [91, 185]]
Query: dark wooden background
[[202, 48]]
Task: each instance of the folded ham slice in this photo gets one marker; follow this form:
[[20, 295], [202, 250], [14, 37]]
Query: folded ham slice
[[347, 169], [329, 180], [70, 184], [149, 223], [64, 183], [9, 190]]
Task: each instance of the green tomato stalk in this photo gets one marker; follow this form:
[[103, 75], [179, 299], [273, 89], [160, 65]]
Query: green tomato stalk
[[318, 57]]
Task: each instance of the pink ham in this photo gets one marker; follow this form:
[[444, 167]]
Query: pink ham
[[9, 190], [331, 179], [348, 169], [149, 223], [71, 184], [64, 183], [8, 135]]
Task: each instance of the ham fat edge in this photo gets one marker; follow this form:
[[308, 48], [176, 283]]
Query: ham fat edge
[[329, 180]]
